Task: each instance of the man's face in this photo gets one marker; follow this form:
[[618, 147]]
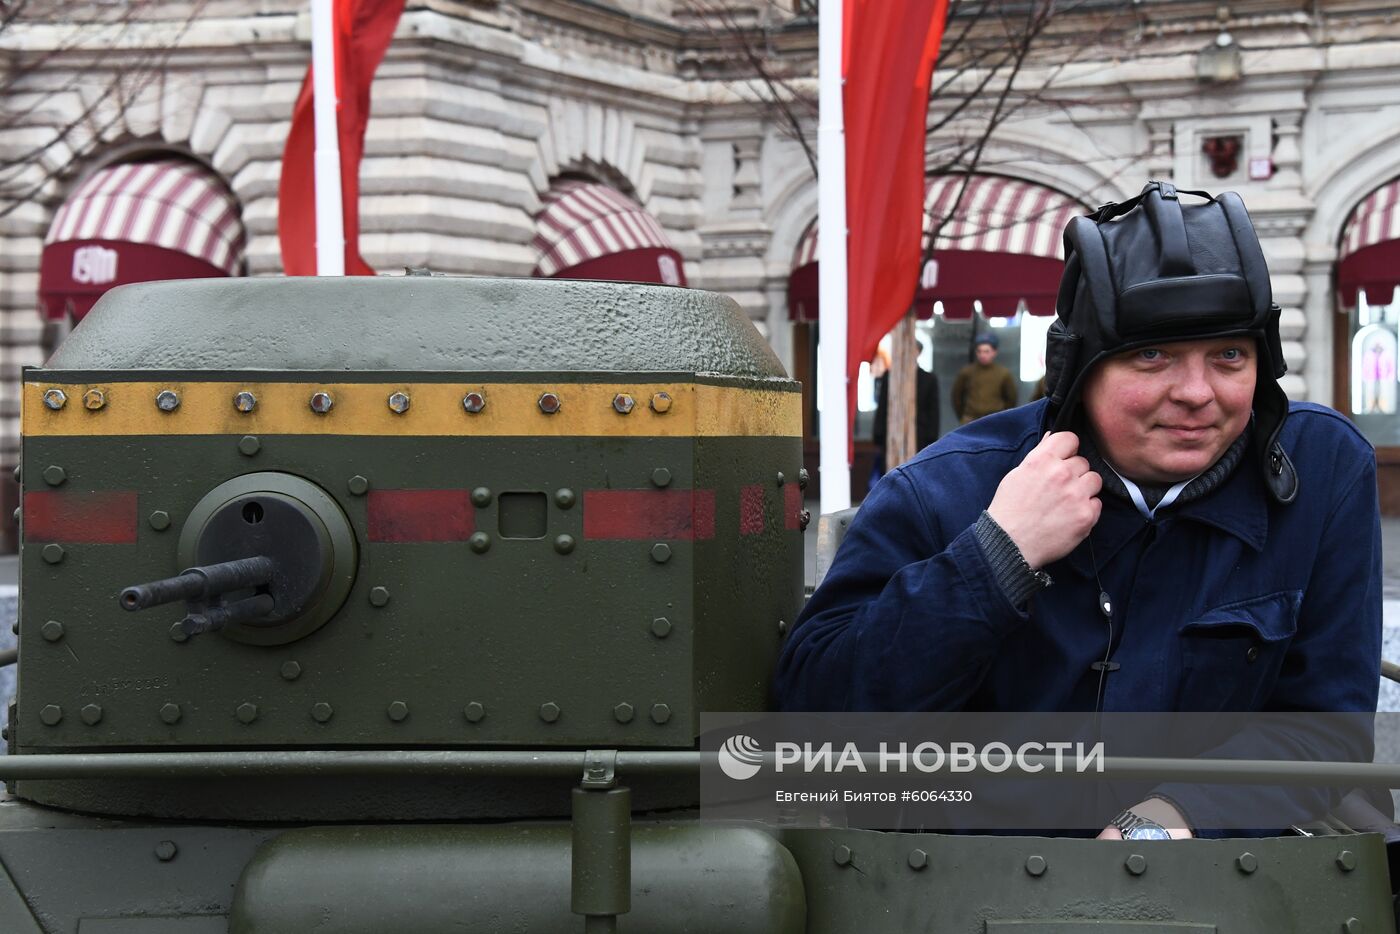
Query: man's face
[[1163, 414], [986, 353]]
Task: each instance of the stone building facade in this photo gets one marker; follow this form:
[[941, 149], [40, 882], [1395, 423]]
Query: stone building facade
[[481, 105]]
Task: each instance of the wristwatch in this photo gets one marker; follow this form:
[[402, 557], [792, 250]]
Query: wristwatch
[[1134, 827]]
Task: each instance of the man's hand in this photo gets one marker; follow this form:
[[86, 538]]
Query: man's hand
[[1049, 502], [1155, 809]]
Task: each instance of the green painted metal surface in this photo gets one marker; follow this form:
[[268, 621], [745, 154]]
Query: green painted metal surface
[[408, 324]]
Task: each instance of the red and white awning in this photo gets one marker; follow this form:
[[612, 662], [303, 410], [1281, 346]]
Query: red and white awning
[[1369, 257], [1001, 243], [591, 231], [138, 222]]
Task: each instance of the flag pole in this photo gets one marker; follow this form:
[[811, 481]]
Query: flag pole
[[831, 262], [330, 218]]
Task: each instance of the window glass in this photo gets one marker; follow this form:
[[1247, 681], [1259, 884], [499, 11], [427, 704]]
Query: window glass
[[1373, 378]]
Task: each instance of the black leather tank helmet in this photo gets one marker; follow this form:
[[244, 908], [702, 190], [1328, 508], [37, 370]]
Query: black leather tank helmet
[[1151, 270]]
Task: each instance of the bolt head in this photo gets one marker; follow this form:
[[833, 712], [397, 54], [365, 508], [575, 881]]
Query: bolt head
[[378, 596], [398, 711], [166, 850], [398, 403], [51, 714], [802, 479], [480, 542], [160, 520], [661, 403], [321, 402], [1247, 862], [782, 627], [473, 402], [549, 712], [564, 544], [565, 498], [94, 399], [660, 713], [54, 475], [170, 713], [918, 859], [178, 634], [247, 712], [321, 712], [1136, 864], [474, 712], [91, 714], [52, 630], [1354, 926], [55, 399], [357, 485], [245, 401], [52, 553], [550, 403], [661, 627], [1346, 861], [1035, 865], [167, 400], [661, 477], [249, 445], [661, 552], [624, 713], [291, 671], [481, 497], [842, 855], [624, 404]]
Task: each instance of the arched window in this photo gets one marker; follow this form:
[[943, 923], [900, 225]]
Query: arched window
[[587, 230]]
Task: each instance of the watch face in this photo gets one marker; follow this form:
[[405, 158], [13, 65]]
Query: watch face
[[1147, 832]]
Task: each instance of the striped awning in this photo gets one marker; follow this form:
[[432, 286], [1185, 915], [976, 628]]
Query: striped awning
[[137, 222], [803, 287], [1369, 256], [588, 230], [1001, 244]]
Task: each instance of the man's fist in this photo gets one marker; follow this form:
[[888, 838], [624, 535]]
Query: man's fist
[[1049, 502]]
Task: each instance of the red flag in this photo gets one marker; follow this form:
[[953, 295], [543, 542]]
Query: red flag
[[890, 47], [362, 32]]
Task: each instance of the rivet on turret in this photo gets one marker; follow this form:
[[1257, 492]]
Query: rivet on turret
[[661, 477], [52, 630], [55, 399], [178, 634], [564, 544], [474, 402], [94, 399], [1136, 864], [321, 402], [245, 401], [782, 627], [1035, 865], [54, 475], [480, 542], [246, 712], [398, 402], [550, 403], [321, 712], [249, 445], [782, 478], [661, 403], [91, 714], [51, 715], [660, 713], [357, 485], [398, 711], [167, 400], [166, 850], [623, 403], [52, 553], [549, 712], [623, 713], [1354, 926], [918, 859], [1346, 861], [160, 520], [661, 627], [291, 670], [802, 478], [565, 498], [842, 855], [378, 596], [474, 712], [481, 497], [1246, 863], [170, 713], [661, 552]]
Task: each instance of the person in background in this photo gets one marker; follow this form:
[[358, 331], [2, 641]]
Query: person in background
[[983, 386], [926, 420]]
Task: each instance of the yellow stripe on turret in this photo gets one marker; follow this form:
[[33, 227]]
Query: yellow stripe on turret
[[667, 410]]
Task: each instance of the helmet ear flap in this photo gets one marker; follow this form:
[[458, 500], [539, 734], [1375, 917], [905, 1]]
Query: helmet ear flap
[[1061, 356]]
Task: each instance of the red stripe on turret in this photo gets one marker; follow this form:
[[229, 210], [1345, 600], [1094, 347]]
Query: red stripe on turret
[[420, 516], [792, 507], [751, 510], [649, 514], [105, 518]]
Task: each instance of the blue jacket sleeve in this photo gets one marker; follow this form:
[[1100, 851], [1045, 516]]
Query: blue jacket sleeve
[[909, 616]]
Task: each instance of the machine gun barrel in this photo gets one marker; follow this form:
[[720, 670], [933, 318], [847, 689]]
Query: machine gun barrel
[[200, 583], [217, 617]]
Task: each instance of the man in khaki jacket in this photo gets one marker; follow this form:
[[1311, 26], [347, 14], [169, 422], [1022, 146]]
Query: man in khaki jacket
[[984, 386]]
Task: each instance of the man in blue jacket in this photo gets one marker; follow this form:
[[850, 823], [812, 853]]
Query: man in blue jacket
[[1163, 532]]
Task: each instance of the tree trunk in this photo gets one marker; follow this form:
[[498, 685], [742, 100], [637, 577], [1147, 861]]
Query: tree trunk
[[902, 439]]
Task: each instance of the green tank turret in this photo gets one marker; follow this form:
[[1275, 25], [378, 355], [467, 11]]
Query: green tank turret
[[392, 604]]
